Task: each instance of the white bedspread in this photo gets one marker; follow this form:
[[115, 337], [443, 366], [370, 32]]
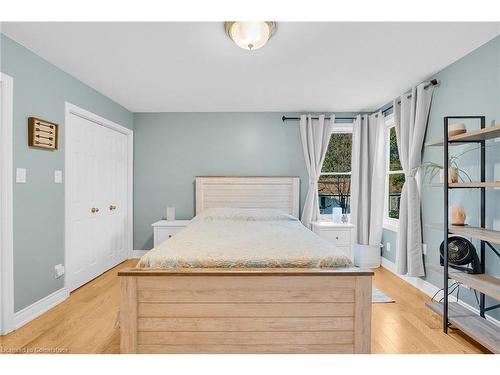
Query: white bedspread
[[245, 238]]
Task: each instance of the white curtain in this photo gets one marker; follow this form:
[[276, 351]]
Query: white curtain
[[315, 136], [367, 179], [410, 115]]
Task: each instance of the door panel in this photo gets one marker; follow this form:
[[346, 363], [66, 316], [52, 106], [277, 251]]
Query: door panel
[[80, 174], [119, 196]]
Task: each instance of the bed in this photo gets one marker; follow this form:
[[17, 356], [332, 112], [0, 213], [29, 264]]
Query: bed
[[245, 277]]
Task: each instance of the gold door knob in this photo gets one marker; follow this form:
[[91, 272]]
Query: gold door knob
[[111, 207], [93, 210], [96, 210]]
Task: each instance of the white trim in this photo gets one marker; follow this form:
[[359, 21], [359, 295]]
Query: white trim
[[41, 306], [136, 254], [341, 127], [417, 282], [6, 207], [430, 289], [388, 222], [73, 109], [391, 224]]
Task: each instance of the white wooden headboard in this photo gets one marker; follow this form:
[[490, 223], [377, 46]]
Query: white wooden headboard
[[248, 192]]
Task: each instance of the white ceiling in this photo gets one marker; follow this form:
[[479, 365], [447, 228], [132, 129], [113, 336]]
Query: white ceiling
[[194, 67]]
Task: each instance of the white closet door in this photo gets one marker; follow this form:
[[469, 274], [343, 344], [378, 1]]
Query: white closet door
[[114, 196], [97, 183], [81, 256]]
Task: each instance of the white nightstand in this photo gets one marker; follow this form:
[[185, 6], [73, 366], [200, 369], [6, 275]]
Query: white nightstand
[[164, 229], [341, 235]]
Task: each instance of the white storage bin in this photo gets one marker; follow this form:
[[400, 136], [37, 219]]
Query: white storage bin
[[366, 256]]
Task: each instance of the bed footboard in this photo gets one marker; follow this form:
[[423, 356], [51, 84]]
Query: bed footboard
[[245, 311]]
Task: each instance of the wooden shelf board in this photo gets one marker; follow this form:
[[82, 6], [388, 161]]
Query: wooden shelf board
[[480, 329], [469, 185], [484, 283], [489, 132], [489, 235]]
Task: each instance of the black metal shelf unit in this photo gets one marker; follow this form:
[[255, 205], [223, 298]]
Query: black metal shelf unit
[[446, 188]]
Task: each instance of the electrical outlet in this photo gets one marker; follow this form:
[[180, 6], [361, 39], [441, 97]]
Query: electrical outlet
[[424, 248], [59, 268], [388, 247]]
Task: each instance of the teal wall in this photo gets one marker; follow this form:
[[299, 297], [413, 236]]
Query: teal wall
[[40, 90], [470, 86], [171, 149]]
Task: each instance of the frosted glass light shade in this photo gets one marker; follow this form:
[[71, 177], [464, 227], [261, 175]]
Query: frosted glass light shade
[[250, 35]]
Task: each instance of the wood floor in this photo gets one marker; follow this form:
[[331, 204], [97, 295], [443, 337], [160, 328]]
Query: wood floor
[[84, 323]]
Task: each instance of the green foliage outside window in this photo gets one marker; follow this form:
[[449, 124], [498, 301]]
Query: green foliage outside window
[[338, 155], [396, 180]]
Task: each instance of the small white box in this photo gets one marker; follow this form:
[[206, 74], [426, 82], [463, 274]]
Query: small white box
[[366, 256]]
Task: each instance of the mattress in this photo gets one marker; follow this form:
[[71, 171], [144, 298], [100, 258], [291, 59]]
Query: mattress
[[244, 238]]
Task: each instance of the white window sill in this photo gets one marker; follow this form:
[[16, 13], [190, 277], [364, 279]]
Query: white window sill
[[392, 225]]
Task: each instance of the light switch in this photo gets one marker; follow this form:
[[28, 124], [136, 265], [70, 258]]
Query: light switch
[[21, 175], [58, 177]]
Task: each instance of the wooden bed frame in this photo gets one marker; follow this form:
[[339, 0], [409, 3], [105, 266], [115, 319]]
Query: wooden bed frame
[[271, 310]]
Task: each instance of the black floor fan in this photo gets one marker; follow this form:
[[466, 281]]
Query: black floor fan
[[461, 252]]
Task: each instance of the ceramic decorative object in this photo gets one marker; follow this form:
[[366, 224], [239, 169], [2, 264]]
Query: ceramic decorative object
[[170, 213], [336, 214], [457, 214], [345, 219], [452, 175], [456, 129]]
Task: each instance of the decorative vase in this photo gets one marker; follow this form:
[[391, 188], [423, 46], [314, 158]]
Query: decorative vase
[[452, 175], [170, 214], [457, 214], [344, 219], [336, 214]]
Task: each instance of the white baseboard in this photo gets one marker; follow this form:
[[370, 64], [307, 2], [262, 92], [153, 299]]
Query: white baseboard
[[430, 289], [424, 286], [138, 253], [39, 307]]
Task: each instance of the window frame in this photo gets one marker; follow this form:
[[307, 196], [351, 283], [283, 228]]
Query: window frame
[[338, 128], [389, 222]]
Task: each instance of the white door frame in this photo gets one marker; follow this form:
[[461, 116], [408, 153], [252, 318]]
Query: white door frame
[[6, 207], [73, 109]]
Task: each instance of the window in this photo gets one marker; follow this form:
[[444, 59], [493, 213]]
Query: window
[[334, 187], [394, 178]]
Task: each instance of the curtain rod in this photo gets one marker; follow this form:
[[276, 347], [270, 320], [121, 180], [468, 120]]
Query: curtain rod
[[433, 82], [285, 118]]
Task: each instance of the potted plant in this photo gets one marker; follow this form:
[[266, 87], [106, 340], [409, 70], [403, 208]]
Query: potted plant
[[431, 169]]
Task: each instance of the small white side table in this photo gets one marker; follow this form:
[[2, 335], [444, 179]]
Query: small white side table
[[341, 235], [165, 229]]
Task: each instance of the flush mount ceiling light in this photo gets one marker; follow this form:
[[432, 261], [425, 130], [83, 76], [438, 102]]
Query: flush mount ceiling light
[[250, 35]]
